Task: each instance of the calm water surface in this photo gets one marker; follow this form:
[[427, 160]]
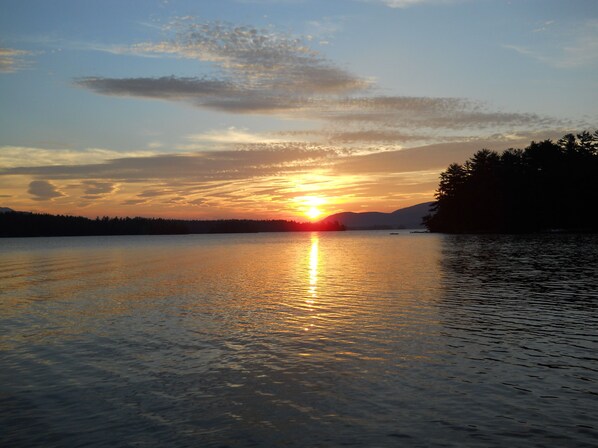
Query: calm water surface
[[353, 338]]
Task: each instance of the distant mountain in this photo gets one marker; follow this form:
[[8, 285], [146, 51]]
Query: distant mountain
[[6, 210], [406, 218]]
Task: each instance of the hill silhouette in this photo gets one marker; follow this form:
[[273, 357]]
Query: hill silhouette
[[404, 218]]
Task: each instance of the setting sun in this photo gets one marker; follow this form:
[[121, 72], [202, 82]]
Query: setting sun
[[313, 213], [310, 206]]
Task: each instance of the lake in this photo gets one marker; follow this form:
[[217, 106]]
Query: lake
[[298, 339]]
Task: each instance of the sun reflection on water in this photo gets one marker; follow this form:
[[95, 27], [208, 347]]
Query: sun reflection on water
[[313, 266], [313, 275]]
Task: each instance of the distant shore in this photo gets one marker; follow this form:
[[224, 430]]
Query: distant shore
[[24, 224]]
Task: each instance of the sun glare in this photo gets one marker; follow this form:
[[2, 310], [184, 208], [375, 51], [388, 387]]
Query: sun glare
[[310, 206], [313, 213]]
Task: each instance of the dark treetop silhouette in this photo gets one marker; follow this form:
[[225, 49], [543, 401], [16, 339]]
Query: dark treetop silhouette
[[547, 186], [19, 224]]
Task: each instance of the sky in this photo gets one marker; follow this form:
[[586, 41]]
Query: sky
[[263, 109]]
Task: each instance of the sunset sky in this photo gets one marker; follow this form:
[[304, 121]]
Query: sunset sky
[[277, 108]]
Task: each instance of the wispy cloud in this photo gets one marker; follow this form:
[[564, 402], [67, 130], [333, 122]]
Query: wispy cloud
[[260, 71], [218, 182], [22, 156], [544, 26], [257, 160], [267, 2], [409, 3], [254, 59], [431, 113], [323, 29], [252, 161], [577, 47], [405, 112], [227, 137], [12, 60]]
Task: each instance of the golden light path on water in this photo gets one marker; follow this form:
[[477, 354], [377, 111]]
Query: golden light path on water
[[313, 275]]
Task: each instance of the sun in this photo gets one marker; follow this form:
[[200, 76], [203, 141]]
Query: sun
[[310, 206], [313, 213]]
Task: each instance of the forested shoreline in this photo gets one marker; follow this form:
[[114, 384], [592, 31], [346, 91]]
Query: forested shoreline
[[546, 187], [23, 224]]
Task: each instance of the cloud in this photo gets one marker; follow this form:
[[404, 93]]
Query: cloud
[[167, 87], [224, 96], [154, 193], [95, 189], [371, 136], [256, 59], [229, 136], [577, 47], [432, 113], [254, 160], [42, 190], [261, 71], [23, 156], [12, 60], [428, 113], [259, 179], [133, 202], [431, 158], [323, 29], [544, 26], [408, 3], [221, 95], [268, 2]]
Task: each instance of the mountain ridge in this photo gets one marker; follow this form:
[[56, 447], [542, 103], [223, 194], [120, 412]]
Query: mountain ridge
[[406, 218]]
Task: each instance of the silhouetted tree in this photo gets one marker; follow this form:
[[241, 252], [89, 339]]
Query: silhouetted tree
[[545, 186]]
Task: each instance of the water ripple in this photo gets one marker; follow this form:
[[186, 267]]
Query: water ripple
[[356, 338]]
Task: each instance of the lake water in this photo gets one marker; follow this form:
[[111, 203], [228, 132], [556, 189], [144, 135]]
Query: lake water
[[299, 340]]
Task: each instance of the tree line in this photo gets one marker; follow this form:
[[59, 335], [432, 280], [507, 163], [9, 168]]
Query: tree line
[[548, 186], [23, 224]]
